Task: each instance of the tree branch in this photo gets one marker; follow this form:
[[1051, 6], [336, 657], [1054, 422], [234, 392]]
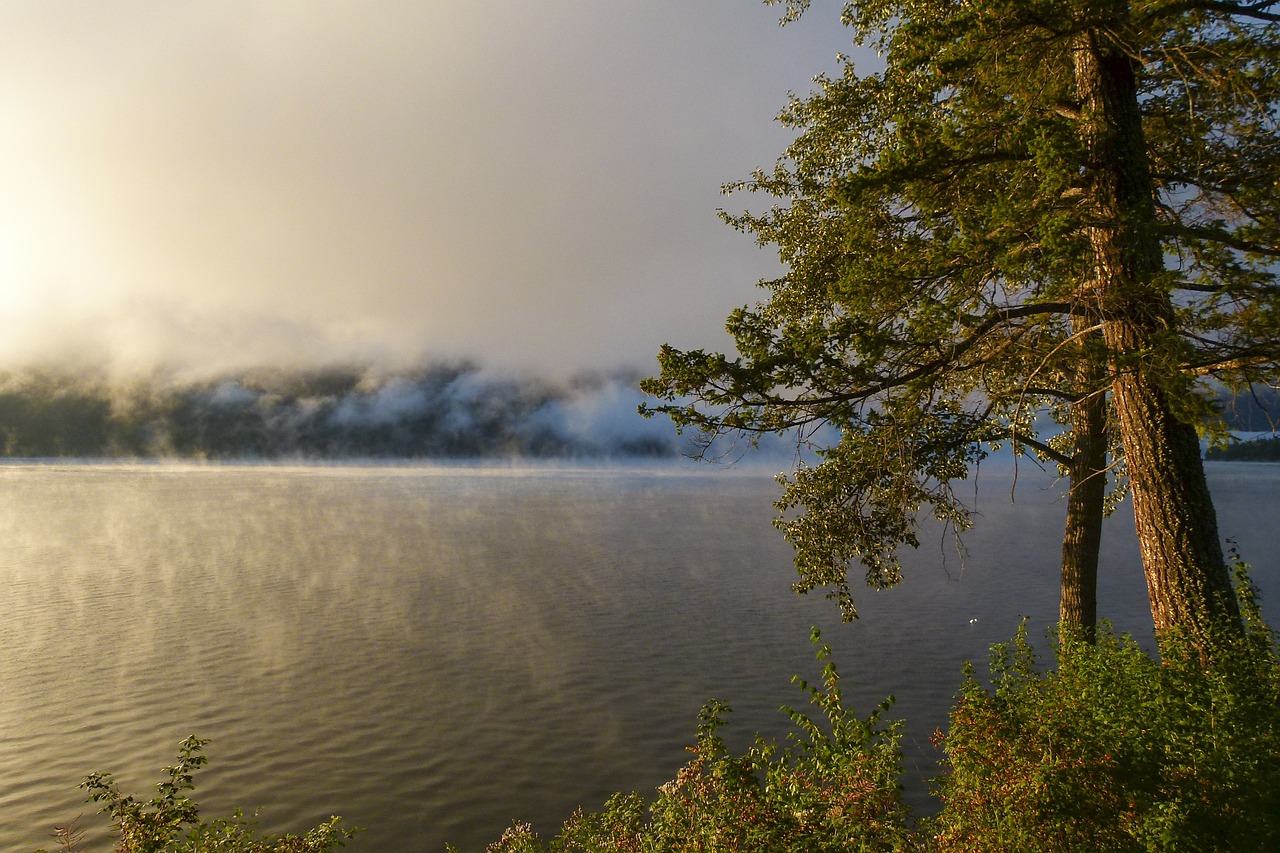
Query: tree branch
[[1224, 238], [1256, 11], [1039, 447], [886, 383]]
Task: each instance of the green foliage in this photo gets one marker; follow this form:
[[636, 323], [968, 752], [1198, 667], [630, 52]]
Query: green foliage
[[1111, 750], [170, 822], [1114, 750], [948, 232], [858, 506], [833, 787]]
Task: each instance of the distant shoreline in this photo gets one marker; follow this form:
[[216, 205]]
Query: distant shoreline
[[1251, 450]]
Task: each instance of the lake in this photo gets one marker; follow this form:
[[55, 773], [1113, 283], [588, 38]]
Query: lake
[[434, 651]]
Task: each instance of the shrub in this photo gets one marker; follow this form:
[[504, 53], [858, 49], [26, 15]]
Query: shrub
[[157, 826], [1115, 750], [1110, 750], [833, 787]]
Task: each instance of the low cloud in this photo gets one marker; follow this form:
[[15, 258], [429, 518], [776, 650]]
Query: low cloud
[[441, 410]]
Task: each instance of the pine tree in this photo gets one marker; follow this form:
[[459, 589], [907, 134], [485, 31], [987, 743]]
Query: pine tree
[[1036, 213]]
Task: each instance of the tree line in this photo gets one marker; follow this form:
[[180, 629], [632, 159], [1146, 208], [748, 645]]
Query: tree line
[[325, 413]]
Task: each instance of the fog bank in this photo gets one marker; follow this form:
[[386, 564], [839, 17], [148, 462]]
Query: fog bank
[[433, 411]]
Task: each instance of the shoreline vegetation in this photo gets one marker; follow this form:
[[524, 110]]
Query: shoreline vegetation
[[437, 411], [444, 410], [1263, 449], [1109, 748]]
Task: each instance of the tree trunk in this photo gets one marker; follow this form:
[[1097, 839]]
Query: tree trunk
[[1188, 582], [1082, 538]]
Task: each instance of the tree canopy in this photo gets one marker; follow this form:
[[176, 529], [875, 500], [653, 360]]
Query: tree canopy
[[1033, 208]]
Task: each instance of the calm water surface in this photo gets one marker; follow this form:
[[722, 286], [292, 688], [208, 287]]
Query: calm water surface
[[434, 651]]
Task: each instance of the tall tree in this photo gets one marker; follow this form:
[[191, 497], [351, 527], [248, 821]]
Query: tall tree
[[1086, 470], [1034, 206]]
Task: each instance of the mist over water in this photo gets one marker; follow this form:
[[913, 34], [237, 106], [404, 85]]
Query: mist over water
[[340, 411], [433, 651]]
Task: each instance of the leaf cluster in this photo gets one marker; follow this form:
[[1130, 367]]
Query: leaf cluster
[[833, 787], [1109, 749], [1115, 750], [170, 822]]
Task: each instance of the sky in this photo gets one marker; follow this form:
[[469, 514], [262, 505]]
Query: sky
[[529, 185]]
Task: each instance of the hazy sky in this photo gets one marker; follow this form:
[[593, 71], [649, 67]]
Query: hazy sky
[[531, 184]]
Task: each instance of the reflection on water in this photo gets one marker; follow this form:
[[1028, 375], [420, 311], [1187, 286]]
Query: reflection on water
[[432, 652]]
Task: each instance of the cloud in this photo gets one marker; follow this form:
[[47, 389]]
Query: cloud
[[527, 184]]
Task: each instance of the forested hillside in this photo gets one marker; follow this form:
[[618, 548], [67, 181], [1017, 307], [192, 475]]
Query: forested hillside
[[435, 411]]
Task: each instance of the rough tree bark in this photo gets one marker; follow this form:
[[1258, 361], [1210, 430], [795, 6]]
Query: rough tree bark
[[1086, 494], [1188, 581]]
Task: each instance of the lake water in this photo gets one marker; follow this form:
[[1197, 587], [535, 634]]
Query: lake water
[[432, 652]]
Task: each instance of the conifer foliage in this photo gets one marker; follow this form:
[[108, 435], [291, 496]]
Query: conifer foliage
[[1033, 207]]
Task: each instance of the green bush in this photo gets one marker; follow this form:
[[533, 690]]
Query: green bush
[[170, 822], [1111, 750], [1115, 750], [833, 787]]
